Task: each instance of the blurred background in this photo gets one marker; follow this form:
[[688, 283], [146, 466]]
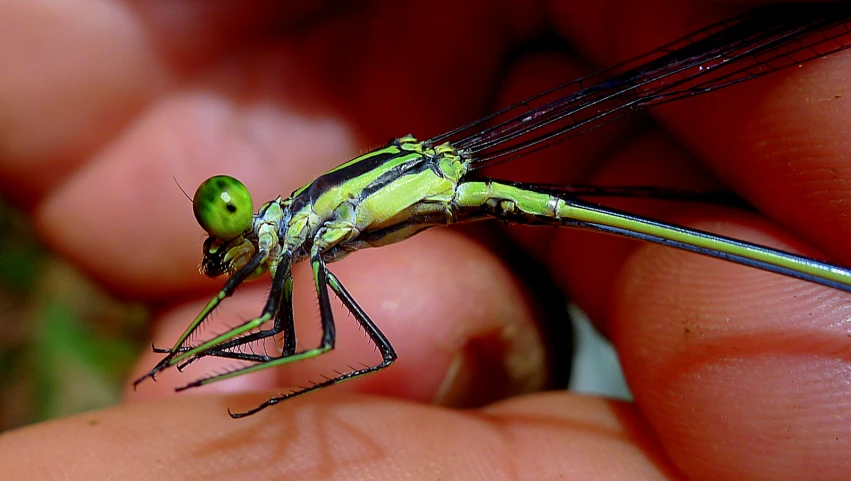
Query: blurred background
[[66, 346]]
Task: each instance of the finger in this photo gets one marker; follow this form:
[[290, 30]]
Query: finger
[[75, 76], [714, 352], [343, 437], [741, 373], [717, 354], [71, 76], [465, 330]]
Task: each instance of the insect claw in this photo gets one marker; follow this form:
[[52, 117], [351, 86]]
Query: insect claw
[[151, 375]]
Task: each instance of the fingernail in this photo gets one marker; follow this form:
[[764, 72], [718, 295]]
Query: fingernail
[[494, 365]]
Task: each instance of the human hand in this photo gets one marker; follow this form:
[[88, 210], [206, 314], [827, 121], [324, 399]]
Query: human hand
[[736, 373]]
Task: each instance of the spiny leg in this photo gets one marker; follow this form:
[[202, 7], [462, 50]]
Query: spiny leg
[[237, 335], [388, 354], [284, 322], [178, 354], [329, 333], [322, 278], [228, 289]]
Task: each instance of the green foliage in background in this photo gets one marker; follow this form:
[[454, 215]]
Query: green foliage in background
[[65, 345]]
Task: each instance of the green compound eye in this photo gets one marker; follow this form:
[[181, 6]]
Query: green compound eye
[[223, 207]]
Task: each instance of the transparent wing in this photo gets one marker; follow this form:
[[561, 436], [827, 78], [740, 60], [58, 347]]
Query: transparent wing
[[751, 45]]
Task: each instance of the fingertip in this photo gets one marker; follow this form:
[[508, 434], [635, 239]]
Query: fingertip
[[740, 372]]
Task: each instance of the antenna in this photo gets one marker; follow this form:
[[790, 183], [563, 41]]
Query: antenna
[[181, 188]]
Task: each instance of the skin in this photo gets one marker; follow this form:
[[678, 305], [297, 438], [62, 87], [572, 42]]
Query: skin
[[737, 374]]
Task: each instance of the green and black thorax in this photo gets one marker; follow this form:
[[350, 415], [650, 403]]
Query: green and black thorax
[[376, 199]]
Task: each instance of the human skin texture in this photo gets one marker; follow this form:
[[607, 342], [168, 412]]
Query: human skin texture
[[737, 374]]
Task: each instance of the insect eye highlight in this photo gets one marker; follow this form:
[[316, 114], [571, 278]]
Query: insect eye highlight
[[223, 207]]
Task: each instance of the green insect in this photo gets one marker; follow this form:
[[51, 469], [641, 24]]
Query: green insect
[[390, 194]]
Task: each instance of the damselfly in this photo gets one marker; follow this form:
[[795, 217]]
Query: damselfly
[[392, 193]]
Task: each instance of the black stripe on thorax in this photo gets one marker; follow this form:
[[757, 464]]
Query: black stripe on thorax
[[423, 162], [340, 175]]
